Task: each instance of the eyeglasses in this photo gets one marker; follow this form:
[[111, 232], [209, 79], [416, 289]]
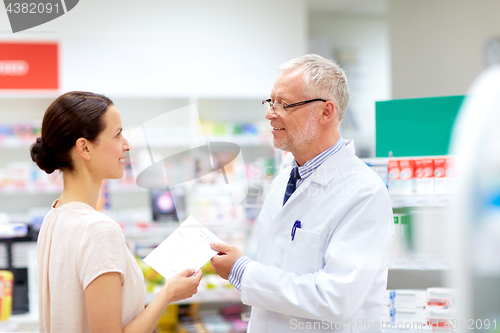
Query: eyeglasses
[[280, 107]]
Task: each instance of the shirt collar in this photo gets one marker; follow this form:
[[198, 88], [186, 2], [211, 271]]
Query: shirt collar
[[310, 166]]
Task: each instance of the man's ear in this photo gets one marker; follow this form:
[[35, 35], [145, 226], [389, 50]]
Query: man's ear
[[329, 112], [82, 148]]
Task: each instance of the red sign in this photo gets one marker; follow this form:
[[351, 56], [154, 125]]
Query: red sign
[[29, 66]]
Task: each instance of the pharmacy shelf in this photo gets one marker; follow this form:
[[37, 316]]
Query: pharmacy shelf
[[207, 296], [412, 263], [421, 200]]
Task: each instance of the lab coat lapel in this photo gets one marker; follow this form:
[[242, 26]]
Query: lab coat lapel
[[322, 176], [332, 166], [273, 203]]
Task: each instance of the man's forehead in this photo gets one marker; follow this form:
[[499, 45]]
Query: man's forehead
[[288, 83]]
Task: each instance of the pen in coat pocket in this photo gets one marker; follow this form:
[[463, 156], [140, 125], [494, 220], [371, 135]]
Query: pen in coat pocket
[[296, 225]]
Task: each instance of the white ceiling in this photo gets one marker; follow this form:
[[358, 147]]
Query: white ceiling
[[349, 6]]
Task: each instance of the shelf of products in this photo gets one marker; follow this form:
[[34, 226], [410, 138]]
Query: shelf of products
[[421, 189], [417, 181], [421, 200], [410, 309]]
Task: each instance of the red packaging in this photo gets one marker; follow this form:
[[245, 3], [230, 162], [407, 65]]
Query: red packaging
[[440, 167], [444, 172], [407, 169], [424, 176], [424, 168], [450, 167], [393, 171]]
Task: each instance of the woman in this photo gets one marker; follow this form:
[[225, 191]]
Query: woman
[[89, 281]]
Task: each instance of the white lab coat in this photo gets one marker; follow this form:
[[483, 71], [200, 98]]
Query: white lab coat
[[335, 270]]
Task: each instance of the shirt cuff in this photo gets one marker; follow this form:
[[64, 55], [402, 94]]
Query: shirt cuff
[[236, 273]]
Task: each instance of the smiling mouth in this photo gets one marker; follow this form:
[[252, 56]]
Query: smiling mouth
[[278, 129], [122, 159]]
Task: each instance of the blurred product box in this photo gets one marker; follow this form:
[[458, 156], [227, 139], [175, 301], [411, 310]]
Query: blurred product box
[[18, 174], [443, 297], [6, 285], [406, 299], [402, 235], [444, 175], [440, 181], [416, 309], [407, 311], [386, 314], [397, 247], [424, 176], [407, 173], [393, 176], [169, 319], [440, 317], [406, 232], [410, 319]]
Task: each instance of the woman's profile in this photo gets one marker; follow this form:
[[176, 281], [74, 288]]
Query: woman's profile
[[89, 280]]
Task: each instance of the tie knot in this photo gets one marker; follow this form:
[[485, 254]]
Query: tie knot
[[294, 174]]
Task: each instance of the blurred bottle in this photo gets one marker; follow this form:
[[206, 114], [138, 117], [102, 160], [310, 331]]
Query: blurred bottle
[[6, 281], [476, 213]]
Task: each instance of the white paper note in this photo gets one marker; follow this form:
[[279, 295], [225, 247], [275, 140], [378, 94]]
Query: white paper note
[[187, 247]]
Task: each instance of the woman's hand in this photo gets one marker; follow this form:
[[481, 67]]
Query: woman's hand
[[183, 285], [179, 287]]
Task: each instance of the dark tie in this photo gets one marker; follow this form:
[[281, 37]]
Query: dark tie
[[292, 184]]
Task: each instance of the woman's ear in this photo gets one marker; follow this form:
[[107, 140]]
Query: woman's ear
[[82, 148]]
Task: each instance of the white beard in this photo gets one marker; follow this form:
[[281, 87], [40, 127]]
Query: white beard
[[302, 138]]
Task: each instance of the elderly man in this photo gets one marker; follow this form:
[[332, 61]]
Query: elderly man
[[325, 230]]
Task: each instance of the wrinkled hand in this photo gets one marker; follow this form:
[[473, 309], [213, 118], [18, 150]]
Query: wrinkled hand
[[183, 285], [225, 259]]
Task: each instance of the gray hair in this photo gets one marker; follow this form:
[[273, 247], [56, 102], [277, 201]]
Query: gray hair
[[323, 79]]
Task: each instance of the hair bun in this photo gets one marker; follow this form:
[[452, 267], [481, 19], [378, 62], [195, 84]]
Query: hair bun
[[43, 156]]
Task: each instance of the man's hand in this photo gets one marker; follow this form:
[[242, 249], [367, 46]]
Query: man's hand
[[225, 259]]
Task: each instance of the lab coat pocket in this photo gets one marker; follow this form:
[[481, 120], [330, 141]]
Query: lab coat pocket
[[301, 255]]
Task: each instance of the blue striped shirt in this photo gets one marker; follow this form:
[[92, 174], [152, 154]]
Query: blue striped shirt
[[310, 166], [236, 273]]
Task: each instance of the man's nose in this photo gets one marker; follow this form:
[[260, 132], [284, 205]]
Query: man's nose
[[270, 113]]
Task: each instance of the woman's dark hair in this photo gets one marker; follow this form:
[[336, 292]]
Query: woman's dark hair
[[74, 115]]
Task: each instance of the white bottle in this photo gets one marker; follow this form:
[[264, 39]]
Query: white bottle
[[475, 217]]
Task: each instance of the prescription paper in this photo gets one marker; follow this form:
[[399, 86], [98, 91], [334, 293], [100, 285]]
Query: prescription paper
[[187, 247]]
